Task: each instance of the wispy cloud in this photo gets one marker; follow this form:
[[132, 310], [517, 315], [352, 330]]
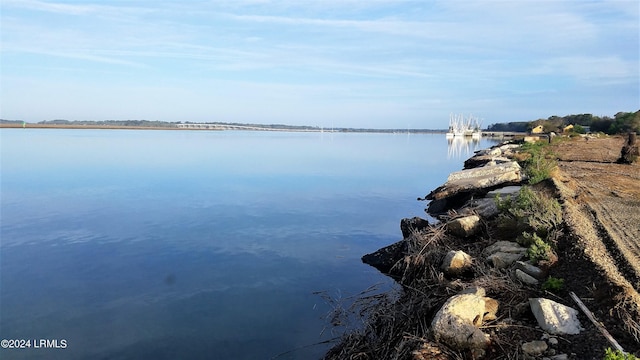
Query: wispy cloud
[[417, 54]]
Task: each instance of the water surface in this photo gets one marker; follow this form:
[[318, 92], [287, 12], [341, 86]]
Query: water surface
[[196, 244]]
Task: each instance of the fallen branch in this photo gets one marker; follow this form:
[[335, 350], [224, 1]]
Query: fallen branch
[[598, 325]]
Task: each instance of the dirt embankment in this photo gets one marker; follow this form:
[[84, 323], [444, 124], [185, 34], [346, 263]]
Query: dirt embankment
[[602, 248], [609, 194]]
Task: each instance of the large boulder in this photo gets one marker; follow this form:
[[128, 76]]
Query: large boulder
[[555, 318], [456, 323], [478, 179], [464, 226], [410, 225]]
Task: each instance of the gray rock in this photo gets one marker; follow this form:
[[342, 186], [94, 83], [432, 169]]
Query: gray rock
[[477, 160], [484, 160], [502, 260], [477, 179], [493, 151], [555, 318], [505, 247], [385, 258], [504, 191], [530, 270], [464, 226], [474, 290], [456, 323], [560, 357], [553, 341], [485, 208], [534, 347], [526, 278], [456, 262], [410, 225]]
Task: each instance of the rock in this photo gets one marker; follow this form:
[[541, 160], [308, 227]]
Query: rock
[[560, 357], [530, 270], [456, 323], [505, 247], [509, 149], [534, 347], [456, 262], [409, 225], [464, 226], [477, 179], [553, 341], [506, 191], [485, 208], [490, 309], [384, 259], [502, 260], [441, 206], [526, 278], [429, 351], [477, 161], [493, 151], [484, 160], [555, 318], [474, 290]]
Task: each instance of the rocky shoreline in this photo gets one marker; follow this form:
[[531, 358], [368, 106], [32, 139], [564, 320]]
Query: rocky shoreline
[[477, 283]]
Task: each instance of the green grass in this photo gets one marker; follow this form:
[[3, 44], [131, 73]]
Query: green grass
[[553, 284]]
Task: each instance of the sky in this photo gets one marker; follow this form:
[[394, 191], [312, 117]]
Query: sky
[[342, 63]]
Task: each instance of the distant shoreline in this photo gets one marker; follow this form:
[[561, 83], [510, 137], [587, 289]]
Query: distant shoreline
[[223, 127], [212, 127]]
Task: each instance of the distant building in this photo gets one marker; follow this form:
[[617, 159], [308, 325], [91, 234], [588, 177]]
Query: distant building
[[567, 128], [537, 130]]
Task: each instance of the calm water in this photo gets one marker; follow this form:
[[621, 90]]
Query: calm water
[[194, 244]]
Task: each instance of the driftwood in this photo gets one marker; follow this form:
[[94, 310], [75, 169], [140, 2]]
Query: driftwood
[[598, 325]]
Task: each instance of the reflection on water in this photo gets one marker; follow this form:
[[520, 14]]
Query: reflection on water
[[462, 147]]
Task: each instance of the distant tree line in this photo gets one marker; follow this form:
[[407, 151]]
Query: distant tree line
[[621, 122], [137, 123]]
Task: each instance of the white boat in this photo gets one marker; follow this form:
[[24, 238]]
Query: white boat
[[459, 126]]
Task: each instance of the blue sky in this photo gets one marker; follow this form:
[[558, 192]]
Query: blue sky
[[354, 63]]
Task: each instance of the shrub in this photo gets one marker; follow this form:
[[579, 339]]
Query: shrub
[[538, 163], [530, 211], [539, 250], [610, 354], [553, 284], [527, 239]]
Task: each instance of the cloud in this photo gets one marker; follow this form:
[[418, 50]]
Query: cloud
[[409, 54]]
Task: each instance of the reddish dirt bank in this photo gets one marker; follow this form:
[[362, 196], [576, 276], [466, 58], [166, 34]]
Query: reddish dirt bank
[[600, 255]]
